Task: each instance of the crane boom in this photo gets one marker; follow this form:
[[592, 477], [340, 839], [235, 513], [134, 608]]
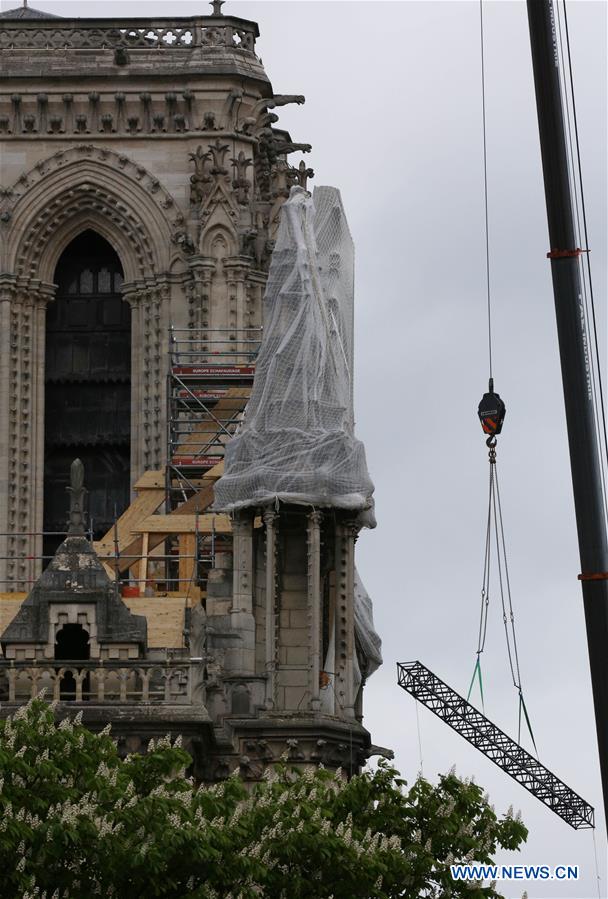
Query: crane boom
[[574, 348]]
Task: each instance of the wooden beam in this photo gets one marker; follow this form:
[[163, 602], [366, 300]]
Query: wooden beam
[[196, 503], [143, 565], [186, 567], [150, 480], [143, 505], [184, 524]]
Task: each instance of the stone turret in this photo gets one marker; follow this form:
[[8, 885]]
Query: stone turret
[[292, 634], [142, 182]]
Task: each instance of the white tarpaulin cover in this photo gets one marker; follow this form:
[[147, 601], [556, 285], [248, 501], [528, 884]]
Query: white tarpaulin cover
[[296, 442], [371, 644], [369, 641]]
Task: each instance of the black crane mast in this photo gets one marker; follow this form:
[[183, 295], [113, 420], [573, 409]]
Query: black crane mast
[[575, 350]]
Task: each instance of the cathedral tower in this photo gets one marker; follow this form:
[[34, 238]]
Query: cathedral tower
[[141, 175], [158, 249]]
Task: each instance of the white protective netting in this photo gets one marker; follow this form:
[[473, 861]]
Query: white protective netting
[[296, 443], [369, 642]]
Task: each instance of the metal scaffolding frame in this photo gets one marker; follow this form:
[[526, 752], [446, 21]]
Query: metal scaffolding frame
[[466, 720], [210, 376]]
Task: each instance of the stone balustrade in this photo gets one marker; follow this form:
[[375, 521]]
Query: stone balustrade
[[170, 682], [136, 34]]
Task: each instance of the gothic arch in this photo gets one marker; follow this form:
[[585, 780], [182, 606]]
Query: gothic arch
[[219, 242], [74, 190], [88, 193]]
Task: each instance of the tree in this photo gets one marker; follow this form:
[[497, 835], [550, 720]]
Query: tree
[[79, 821]]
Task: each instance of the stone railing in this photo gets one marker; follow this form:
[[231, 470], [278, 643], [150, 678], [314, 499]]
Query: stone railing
[[137, 34], [170, 682]]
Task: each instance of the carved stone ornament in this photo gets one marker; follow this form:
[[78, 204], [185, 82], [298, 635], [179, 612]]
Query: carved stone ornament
[[77, 493], [63, 158]]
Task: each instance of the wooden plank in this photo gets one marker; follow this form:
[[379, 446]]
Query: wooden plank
[[142, 506], [197, 503], [143, 565], [208, 479], [165, 617], [184, 524], [187, 551], [150, 480]]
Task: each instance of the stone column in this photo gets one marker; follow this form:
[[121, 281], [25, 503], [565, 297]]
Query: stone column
[[134, 297], [242, 554], [314, 605], [345, 619], [271, 521], [202, 269], [22, 344], [39, 299], [242, 621], [6, 293], [237, 269], [150, 305]]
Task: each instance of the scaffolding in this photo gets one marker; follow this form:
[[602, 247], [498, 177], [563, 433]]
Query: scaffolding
[[179, 567], [210, 378], [166, 541], [466, 720]]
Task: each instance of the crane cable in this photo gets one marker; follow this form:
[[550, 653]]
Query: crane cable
[[485, 186], [491, 412]]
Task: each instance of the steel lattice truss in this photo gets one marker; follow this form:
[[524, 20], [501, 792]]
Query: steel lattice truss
[[448, 705]]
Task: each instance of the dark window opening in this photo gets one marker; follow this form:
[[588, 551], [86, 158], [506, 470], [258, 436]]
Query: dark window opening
[[87, 386], [72, 642]]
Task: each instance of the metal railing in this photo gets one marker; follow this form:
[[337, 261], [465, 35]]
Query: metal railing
[[210, 346]]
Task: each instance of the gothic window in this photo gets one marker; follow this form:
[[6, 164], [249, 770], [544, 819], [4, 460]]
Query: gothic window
[[86, 281], [104, 280], [87, 385]]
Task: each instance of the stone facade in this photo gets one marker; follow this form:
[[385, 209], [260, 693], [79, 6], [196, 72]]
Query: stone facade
[[159, 135], [275, 674], [266, 668]]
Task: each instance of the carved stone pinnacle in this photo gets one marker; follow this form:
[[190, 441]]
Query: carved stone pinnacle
[[77, 492]]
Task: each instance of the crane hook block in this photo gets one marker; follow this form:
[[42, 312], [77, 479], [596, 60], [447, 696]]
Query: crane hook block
[[491, 411]]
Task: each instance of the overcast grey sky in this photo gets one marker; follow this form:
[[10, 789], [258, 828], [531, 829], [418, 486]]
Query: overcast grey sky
[[393, 112]]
